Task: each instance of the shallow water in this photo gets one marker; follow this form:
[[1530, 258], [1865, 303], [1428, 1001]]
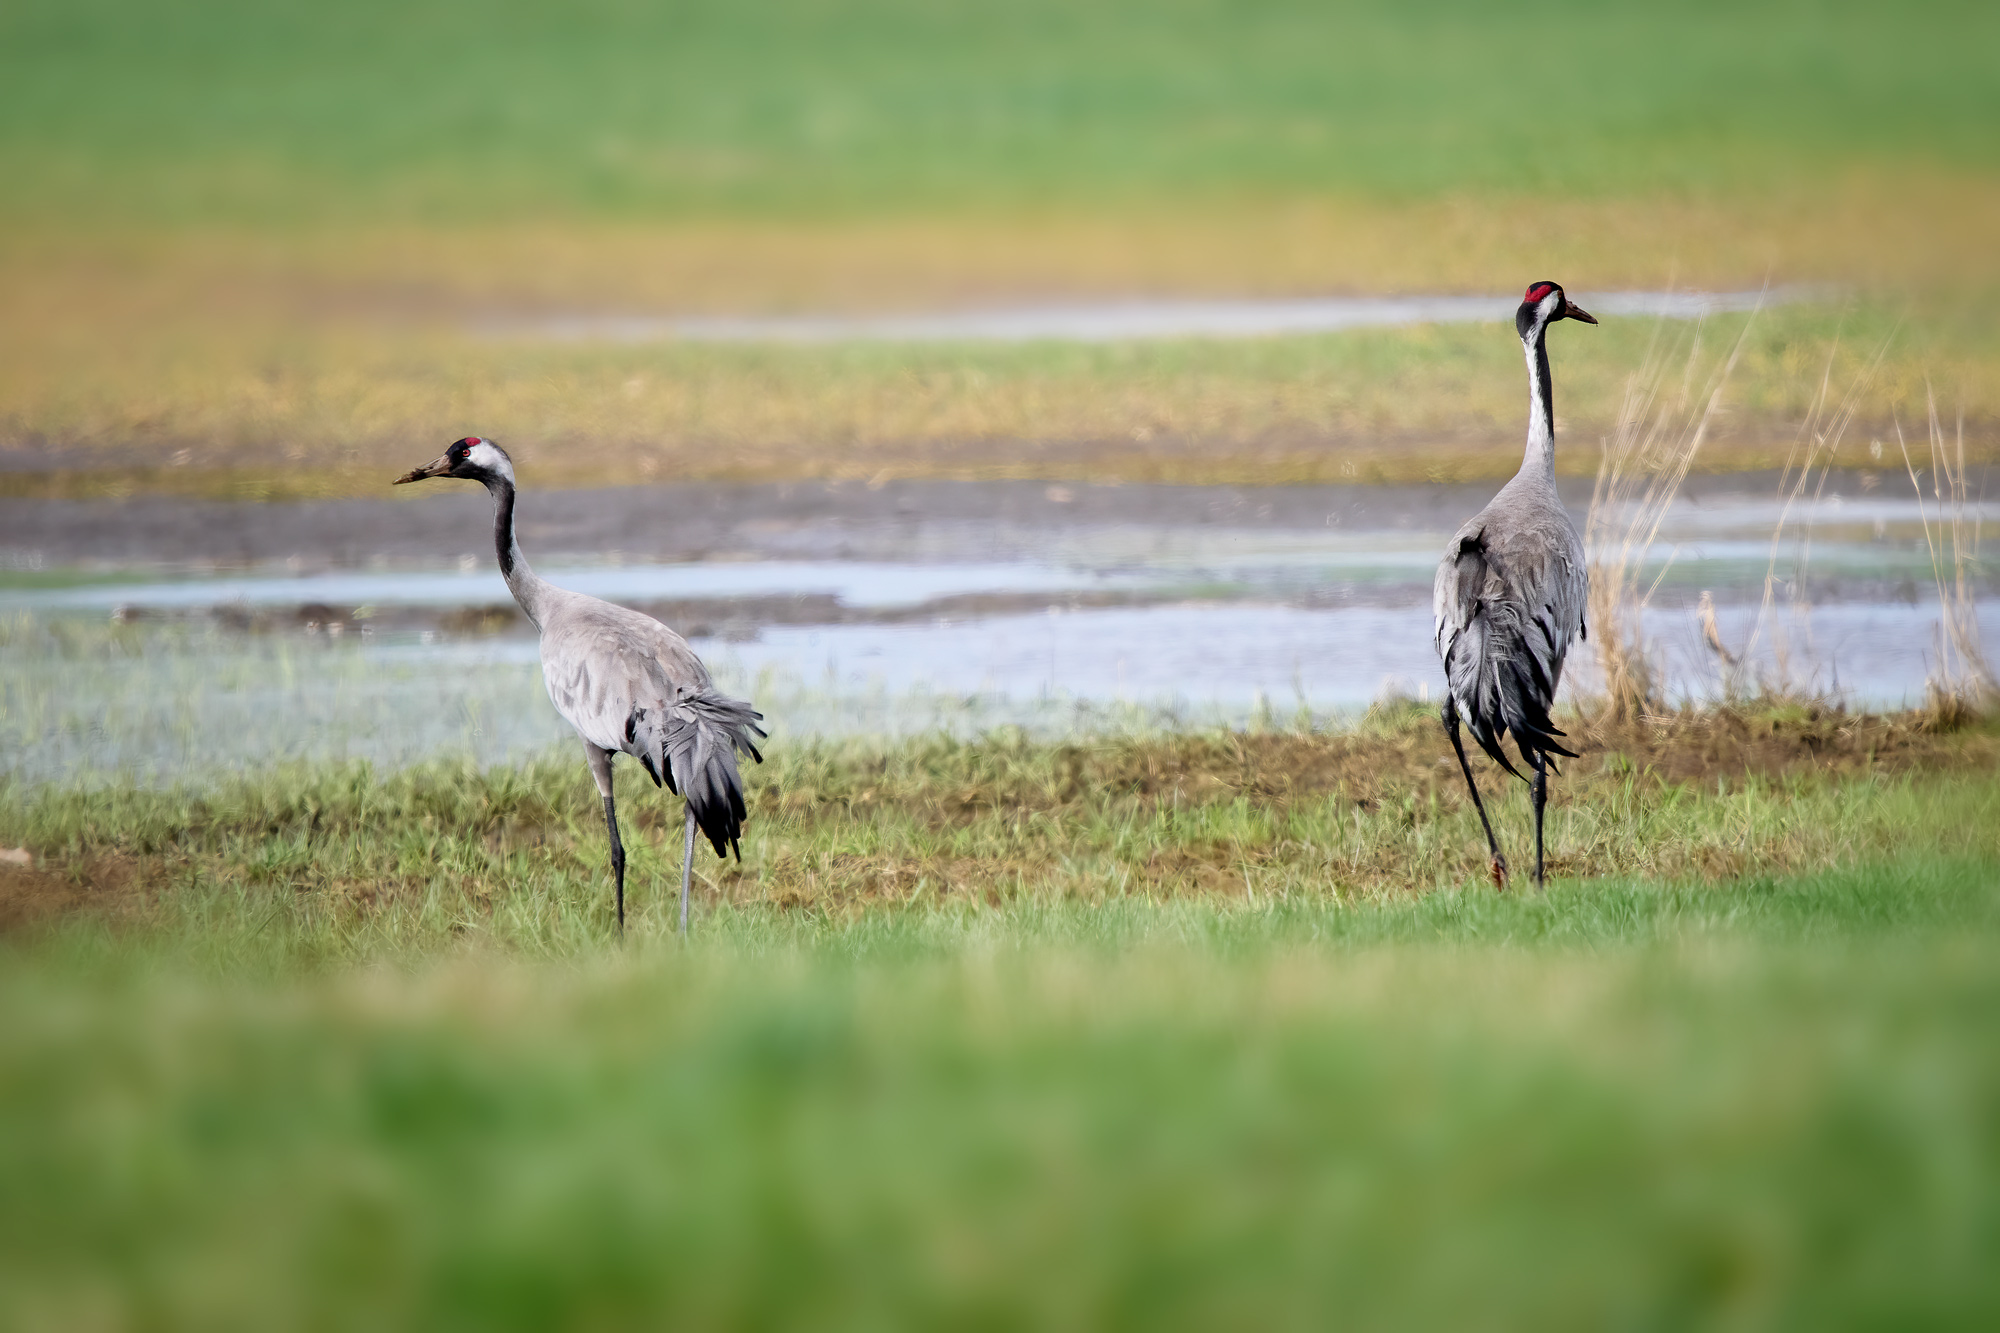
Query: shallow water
[[164, 703], [854, 583], [1242, 610]]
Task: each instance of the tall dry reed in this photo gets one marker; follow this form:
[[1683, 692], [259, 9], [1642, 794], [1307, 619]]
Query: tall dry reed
[[1670, 403], [1808, 463], [1961, 685]]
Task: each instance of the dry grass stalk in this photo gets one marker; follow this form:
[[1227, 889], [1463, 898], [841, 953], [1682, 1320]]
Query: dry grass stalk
[[1662, 424], [1728, 663], [1807, 465], [1961, 686]]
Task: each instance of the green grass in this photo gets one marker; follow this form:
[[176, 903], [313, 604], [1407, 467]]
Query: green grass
[[1153, 1030], [337, 865], [236, 109]]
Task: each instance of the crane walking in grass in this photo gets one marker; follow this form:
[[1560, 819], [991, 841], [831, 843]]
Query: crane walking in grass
[[1510, 596], [625, 682]]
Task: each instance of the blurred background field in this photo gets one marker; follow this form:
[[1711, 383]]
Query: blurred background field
[[1112, 943], [239, 239]]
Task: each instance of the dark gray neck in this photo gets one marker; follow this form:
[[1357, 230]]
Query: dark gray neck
[[529, 589], [504, 544], [1541, 452]]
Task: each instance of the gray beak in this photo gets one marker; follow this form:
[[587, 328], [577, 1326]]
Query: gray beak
[[1571, 310], [437, 468]]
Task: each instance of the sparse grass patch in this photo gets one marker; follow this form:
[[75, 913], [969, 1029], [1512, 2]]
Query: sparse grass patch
[[349, 864]]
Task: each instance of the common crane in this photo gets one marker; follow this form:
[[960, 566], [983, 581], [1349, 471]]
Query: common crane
[[1510, 595], [624, 681]]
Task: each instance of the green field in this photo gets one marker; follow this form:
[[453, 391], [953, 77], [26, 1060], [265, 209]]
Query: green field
[[241, 244], [235, 110], [1177, 1031]]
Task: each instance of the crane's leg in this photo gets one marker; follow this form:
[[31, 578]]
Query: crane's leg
[[1539, 786], [687, 869], [1498, 865], [600, 772]]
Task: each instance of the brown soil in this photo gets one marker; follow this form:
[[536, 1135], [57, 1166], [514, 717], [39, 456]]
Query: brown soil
[[115, 888], [1395, 757], [808, 519]]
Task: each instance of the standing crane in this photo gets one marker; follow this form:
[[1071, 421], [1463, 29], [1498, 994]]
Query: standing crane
[[1510, 594], [624, 681]]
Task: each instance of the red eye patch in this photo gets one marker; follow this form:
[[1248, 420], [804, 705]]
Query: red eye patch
[[1538, 291]]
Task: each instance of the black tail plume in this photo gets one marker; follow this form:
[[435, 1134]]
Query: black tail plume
[[692, 747]]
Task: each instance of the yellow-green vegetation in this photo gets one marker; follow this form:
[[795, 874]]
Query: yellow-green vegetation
[[1178, 1031], [241, 245], [324, 414]]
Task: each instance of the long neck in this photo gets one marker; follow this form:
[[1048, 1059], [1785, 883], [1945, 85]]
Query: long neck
[[528, 587], [1541, 451]]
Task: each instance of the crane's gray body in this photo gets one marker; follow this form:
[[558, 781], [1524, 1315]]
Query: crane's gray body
[[628, 683]]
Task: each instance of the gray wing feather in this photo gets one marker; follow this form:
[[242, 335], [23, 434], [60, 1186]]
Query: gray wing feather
[[1505, 613]]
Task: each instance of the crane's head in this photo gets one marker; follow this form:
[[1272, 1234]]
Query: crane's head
[[1544, 304], [471, 458]]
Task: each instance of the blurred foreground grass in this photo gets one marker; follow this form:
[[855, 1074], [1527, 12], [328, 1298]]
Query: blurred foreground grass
[[1764, 1101], [1154, 1031]]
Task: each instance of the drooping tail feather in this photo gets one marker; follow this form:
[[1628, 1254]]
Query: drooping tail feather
[[1503, 686], [691, 746]]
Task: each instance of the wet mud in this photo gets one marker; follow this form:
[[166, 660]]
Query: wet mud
[[798, 520]]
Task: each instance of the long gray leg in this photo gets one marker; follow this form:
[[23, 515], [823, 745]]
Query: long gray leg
[[600, 772], [1539, 786], [687, 869], [1498, 865]]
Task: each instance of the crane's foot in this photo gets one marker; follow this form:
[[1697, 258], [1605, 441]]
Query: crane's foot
[[1497, 867]]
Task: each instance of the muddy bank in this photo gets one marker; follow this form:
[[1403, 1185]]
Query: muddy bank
[[900, 520], [699, 521]]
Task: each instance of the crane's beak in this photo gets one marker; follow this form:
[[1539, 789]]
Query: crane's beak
[[438, 467], [1571, 310]]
